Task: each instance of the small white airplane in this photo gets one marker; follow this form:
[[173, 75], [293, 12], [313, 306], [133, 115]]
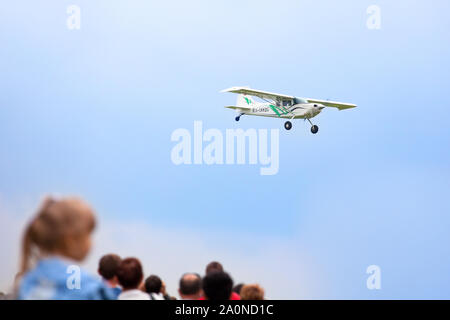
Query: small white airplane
[[281, 106]]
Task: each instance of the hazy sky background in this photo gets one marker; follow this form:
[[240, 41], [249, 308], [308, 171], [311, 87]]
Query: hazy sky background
[[90, 112]]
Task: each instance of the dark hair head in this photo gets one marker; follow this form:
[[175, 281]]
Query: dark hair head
[[237, 288], [153, 284], [213, 266], [217, 285], [130, 273], [108, 265], [190, 283]]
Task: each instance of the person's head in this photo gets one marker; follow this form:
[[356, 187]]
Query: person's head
[[190, 286], [252, 292], [130, 273], [153, 284], [217, 285], [60, 227], [213, 266], [107, 267], [237, 288]]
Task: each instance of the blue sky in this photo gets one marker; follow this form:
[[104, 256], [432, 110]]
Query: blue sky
[[90, 112]]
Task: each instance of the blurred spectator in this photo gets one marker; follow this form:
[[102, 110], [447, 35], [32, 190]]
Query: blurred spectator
[[153, 286], [252, 292], [156, 288], [237, 288], [213, 266], [217, 285], [190, 286], [58, 237], [130, 277], [107, 268]]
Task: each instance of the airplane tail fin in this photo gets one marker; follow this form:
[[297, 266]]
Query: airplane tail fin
[[244, 101]]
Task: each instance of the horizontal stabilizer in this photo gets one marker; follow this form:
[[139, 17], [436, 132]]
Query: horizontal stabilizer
[[237, 108]]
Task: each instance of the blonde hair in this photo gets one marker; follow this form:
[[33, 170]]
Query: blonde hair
[[252, 292], [55, 221]]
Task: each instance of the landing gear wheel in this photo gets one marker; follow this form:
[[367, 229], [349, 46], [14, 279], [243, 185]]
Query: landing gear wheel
[[288, 125], [237, 118], [314, 129]]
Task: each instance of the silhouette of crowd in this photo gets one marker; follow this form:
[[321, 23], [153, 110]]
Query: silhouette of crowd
[[59, 236]]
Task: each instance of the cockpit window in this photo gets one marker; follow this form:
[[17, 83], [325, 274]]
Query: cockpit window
[[300, 101], [286, 103]]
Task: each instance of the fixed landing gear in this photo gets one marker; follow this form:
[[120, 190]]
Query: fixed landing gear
[[238, 117], [314, 128], [288, 125]]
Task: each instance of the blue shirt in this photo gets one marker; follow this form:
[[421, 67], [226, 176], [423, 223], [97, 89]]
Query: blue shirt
[[116, 292], [55, 279]]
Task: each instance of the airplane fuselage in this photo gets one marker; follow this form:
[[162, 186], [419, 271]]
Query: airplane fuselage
[[296, 111]]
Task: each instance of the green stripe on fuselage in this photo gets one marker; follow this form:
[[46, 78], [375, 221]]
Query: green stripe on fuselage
[[278, 110]]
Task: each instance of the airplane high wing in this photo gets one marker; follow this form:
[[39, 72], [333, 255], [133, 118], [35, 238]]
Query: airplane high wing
[[339, 105], [278, 97], [258, 93]]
